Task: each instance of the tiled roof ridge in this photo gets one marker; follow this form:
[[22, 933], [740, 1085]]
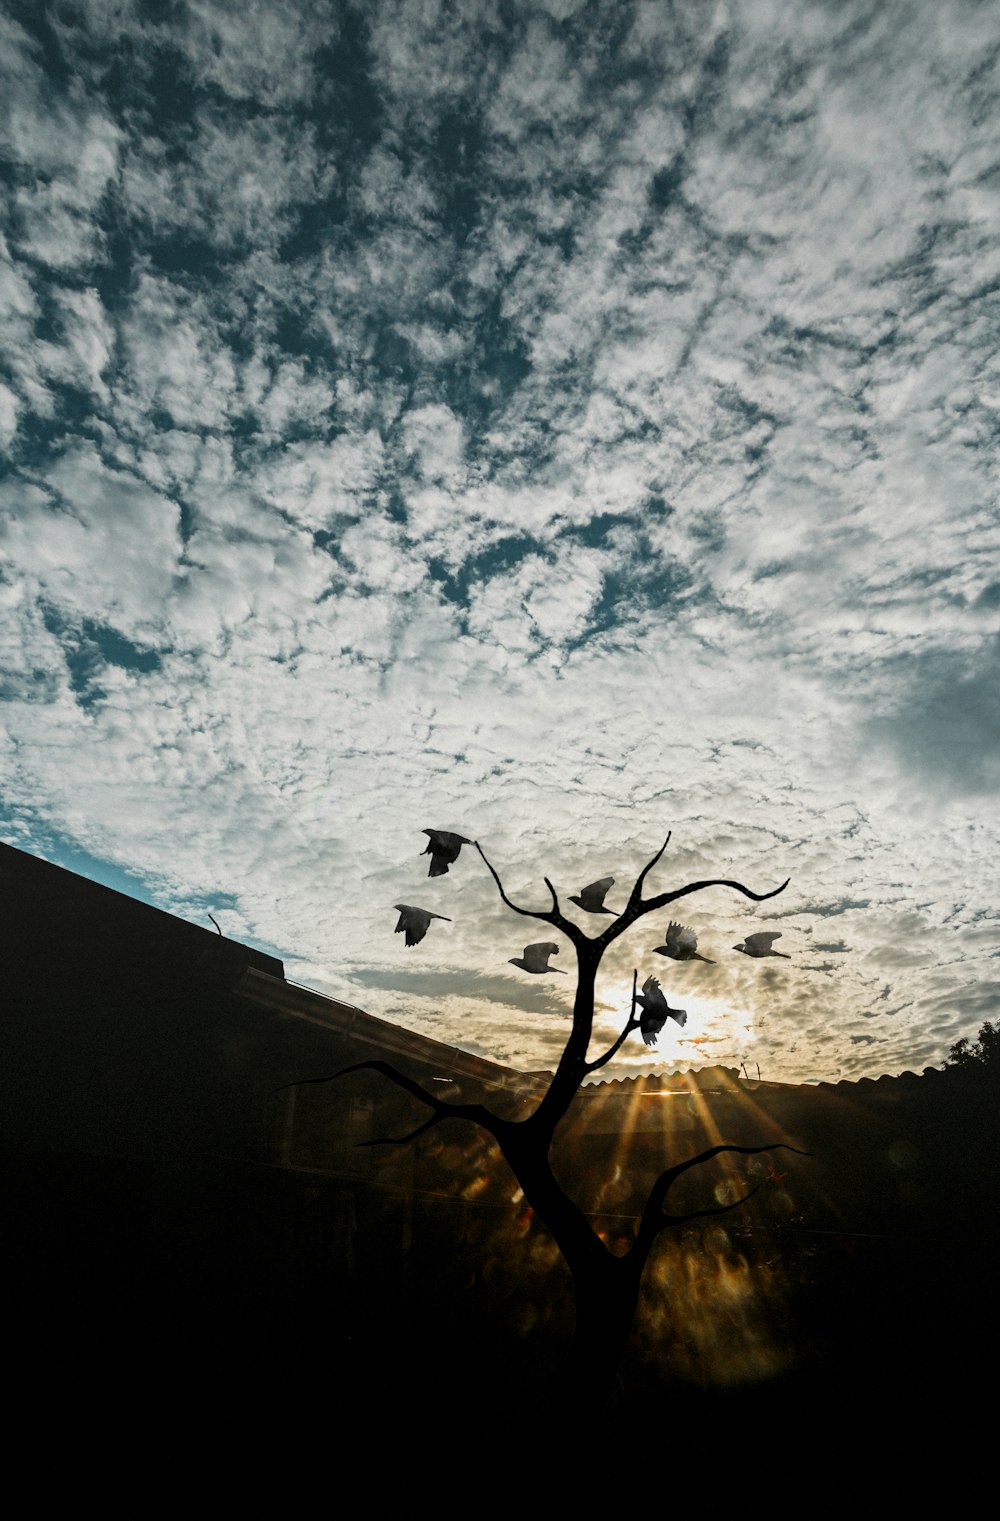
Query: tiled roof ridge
[[708, 1076]]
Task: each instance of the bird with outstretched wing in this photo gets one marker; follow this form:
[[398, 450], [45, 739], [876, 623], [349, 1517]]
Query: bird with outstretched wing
[[681, 945], [413, 922], [760, 945], [592, 898], [536, 958], [655, 1011], [442, 847]]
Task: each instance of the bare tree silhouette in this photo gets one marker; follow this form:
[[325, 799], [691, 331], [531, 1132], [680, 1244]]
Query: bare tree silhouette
[[606, 1286]]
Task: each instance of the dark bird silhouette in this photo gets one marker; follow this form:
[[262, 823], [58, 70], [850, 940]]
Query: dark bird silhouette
[[681, 945], [536, 958], [414, 922], [760, 944], [443, 848], [592, 898], [655, 1011]]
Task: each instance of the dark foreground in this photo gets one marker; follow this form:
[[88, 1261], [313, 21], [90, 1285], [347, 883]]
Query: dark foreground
[[243, 1325]]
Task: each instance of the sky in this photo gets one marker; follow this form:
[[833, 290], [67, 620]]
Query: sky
[[558, 423]]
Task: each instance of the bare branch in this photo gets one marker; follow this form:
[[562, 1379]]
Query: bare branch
[[633, 1024], [700, 1214], [550, 916], [635, 896], [654, 1218], [667, 1179], [602, 1061], [399, 1078], [478, 1114], [636, 907], [401, 1140], [661, 901], [529, 913]]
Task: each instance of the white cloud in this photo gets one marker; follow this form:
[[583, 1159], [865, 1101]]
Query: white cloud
[[614, 454], [10, 408], [84, 353], [238, 185], [71, 148], [317, 482], [266, 51], [434, 435], [175, 359], [96, 542]]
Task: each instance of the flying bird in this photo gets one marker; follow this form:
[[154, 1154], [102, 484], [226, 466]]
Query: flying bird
[[536, 958], [414, 922], [655, 1011], [592, 898], [443, 848], [681, 945], [760, 944]]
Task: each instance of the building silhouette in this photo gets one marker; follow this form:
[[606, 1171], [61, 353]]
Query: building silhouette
[[173, 1209]]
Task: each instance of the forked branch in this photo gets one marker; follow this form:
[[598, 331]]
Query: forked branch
[[654, 1217], [552, 916], [635, 896], [638, 906]]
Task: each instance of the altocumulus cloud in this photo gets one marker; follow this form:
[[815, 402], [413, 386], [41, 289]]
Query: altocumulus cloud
[[557, 423]]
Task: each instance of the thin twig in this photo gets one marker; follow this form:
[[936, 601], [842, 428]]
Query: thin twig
[[633, 1024], [635, 896], [401, 1140], [654, 1218], [661, 901], [701, 1214], [637, 907], [478, 1114], [551, 916]]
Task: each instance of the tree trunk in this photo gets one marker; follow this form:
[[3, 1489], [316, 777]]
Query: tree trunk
[[606, 1293]]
